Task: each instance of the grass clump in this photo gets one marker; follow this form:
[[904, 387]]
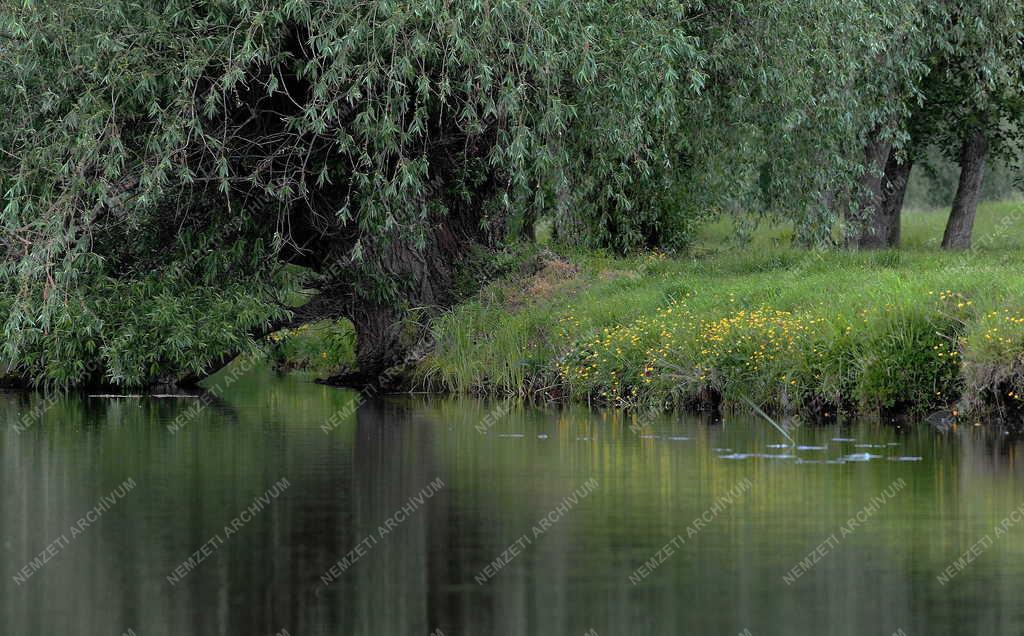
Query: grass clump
[[994, 361], [819, 331], [323, 348]]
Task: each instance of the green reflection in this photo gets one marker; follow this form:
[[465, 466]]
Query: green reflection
[[500, 480]]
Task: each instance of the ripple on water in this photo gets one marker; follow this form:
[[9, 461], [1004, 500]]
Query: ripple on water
[[861, 457], [760, 455], [735, 456]]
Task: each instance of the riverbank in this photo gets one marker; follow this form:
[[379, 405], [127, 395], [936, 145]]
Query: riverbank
[[822, 332]]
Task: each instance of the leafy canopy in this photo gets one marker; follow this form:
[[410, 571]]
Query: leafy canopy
[[166, 165]]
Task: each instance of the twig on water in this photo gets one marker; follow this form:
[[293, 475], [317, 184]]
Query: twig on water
[[758, 410]]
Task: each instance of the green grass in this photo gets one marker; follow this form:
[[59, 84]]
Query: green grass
[[322, 348], [819, 331]]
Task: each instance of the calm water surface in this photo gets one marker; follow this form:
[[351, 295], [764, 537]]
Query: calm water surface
[[474, 555]]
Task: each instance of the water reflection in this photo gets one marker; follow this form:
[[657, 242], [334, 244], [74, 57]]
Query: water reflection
[[501, 482]]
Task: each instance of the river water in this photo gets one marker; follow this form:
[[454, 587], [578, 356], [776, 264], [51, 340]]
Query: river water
[[280, 508]]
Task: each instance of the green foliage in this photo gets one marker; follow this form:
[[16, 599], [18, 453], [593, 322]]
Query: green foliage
[[312, 132], [975, 79], [166, 166], [324, 348], [152, 328]]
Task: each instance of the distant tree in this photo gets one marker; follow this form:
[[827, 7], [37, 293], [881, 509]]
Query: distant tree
[[857, 124], [892, 87], [968, 104], [974, 100]]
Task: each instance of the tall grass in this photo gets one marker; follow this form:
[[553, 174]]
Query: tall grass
[[322, 348], [788, 329]]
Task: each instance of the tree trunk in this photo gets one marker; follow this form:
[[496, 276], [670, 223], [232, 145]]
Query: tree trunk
[[388, 331], [529, 229], [389, 311], [968, 193], [873, 231], [897, 176]]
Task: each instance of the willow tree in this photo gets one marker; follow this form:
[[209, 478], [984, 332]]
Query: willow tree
[[174, 174], [975, 100], [888, 91], [967, 103], [807, 89], [789, 100]]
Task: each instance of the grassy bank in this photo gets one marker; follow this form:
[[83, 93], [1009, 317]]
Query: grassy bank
[[792, 330]]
